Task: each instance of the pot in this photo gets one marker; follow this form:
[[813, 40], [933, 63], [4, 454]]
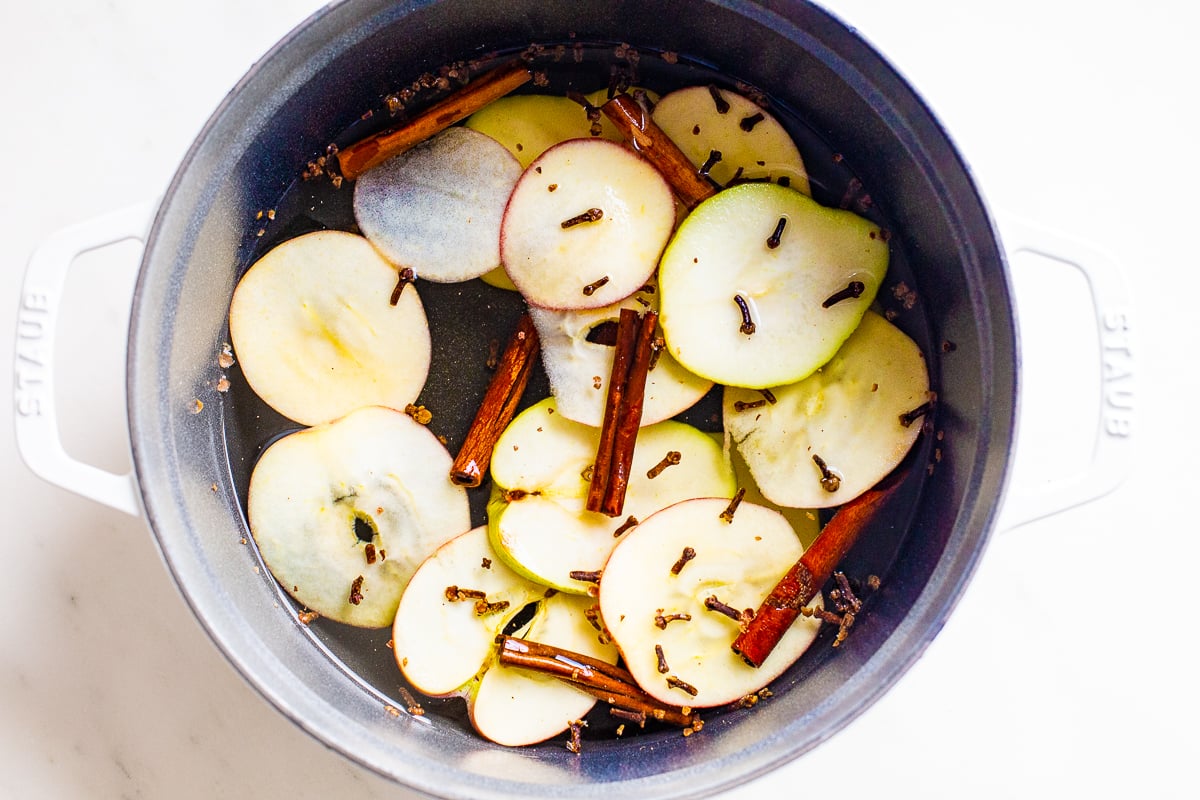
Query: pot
[[191, 459]]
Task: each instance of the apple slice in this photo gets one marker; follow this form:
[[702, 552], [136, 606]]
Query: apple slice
[[536, 517], [315, 332], [437, 207], [439, 638], [654, 597], [445, 644], [853, 414], [529, 124], [805, 522], [753, 145], [585, 225], [515, 707], [761, 285], [578, 361], [344, 512]]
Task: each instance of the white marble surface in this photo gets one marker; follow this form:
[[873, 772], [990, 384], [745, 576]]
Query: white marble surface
[[1066, 669]]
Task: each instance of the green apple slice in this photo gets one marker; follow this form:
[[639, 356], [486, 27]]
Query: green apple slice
[[446, 646], [745, 307], [753, 145], [648, 580], [849, 413], [315, 332], [579, 368], [352, 507], [437, 207], [585, 225], [537, 519]]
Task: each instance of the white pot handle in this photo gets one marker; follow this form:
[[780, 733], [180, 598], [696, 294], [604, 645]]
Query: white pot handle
[[1112, 450], [36, 420]]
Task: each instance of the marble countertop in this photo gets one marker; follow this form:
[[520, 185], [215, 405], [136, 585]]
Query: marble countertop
[[1063, 672]]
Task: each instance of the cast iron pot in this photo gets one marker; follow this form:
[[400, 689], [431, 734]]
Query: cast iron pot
[[191, 467]]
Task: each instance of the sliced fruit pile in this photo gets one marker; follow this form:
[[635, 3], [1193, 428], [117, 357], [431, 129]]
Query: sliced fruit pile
[[758, 289]]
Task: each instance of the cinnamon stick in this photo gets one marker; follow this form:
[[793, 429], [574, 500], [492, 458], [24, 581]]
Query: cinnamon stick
[[498, 406], [626, 337], [359, 157], [649, 141], [797, 588], [622, 412], [601, 680]]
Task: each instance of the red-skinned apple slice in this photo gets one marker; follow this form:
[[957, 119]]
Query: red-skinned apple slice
[[536, 518], [585, 225], [752, 143], [344, 512], [761, 285], [315, 332], [529, 124], [437, 207], [579, 367], [654, 599], [851, 414], [445, 644]]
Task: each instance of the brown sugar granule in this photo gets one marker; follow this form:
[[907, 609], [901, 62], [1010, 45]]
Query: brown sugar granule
[[307, 617], [906, 296], [419, 413], [356, 595]]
